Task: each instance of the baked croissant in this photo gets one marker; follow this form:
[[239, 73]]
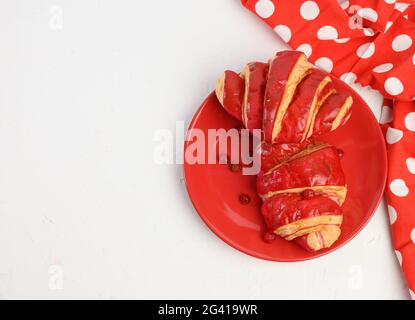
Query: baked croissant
[[301, 182]]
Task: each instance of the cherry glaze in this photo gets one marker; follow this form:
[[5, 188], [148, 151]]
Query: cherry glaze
[[296, 118], [272, 154], [280, 70], [319, 168], [287, 208], [329, 112], [255, 80], [233, 92]]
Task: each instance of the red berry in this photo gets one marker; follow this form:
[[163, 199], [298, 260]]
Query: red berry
[[244, 199], [235, 167], [269, 237], [308, 194], [340, 152]]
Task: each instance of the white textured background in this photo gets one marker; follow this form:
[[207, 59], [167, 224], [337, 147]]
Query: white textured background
[[84, 210]]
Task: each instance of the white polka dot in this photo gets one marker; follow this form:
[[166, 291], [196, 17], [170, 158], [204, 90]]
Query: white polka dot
[[410, 121], [412, 294], [393, 135], [327, 33], [366, 50], [264, 8], [383, 68], [398, 188], [399, 256], [306, 48], [401, 6], [344, 4], [309, 10], [368, 14], [410, 163], [388, 25], [368, 32], [406, 17], [390, 1], [413, 235], [324, 63], [342, 40], [393, 215], [413, 59], [284, 32], [348, 77], [386, 116], [393, 86], [401, 43]]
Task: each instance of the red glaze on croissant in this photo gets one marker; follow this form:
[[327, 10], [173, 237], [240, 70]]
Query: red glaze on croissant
[[286, 70], [335, 112], [301, 181], [255, 76], [273, 153], [317, 167], [299, 117], [230, 90], [293, 215]]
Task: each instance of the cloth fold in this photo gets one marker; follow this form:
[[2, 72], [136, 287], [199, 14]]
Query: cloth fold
[[370, 42]]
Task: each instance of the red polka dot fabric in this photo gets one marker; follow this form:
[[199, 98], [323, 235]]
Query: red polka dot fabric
[[370, 42]]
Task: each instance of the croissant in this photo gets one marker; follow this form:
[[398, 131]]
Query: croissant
[[301, 183]]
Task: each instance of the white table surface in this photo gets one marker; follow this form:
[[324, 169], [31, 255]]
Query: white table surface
[[84, 210]]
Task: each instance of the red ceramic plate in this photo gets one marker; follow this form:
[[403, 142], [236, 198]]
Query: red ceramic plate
[[215, 190]]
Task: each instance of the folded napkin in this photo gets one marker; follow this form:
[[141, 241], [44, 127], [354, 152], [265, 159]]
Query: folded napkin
[[370, 42]]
